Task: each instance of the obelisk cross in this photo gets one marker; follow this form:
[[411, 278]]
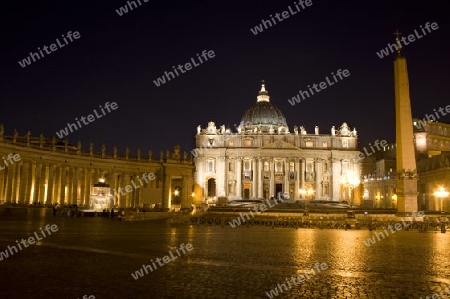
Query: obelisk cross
[[397, 40]]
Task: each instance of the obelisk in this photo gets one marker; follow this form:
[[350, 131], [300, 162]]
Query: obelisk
[[406, 159]]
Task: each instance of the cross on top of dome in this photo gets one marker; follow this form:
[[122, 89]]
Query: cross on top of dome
[[263, 95]]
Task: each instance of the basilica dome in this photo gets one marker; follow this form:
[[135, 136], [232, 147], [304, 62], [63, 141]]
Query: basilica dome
[[263, 115]]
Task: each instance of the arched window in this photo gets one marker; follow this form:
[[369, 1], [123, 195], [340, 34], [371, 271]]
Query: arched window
[[266, 166]]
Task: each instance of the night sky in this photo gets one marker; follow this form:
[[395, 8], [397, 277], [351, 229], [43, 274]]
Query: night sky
[[117, 58]]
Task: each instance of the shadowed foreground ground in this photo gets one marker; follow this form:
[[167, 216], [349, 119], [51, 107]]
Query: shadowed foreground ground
[[93, 256]]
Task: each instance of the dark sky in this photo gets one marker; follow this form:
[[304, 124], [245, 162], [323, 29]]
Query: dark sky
[[118, 57]]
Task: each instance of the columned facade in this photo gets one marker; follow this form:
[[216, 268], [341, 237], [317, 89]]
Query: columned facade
[[48, 171], [264, 159]]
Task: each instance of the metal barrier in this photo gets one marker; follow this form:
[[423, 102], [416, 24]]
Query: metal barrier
[[323, 222]]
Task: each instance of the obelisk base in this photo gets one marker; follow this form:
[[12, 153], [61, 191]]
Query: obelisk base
[[406, 196]]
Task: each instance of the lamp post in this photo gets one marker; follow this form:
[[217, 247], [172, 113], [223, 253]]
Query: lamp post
[[394, 201], [305, 193], [441, 194], [350, 180]]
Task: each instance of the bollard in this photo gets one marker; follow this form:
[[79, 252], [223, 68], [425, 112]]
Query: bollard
[[443, 229]]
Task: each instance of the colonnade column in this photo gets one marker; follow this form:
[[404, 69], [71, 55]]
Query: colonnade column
[[82, 180], [44, 180], [57, 184], [123, 199], [167, 198], [16, 182], [50, 184], [87, 193], [239, 177], [62, 197], [186, 194], [2, 184], [37, 182], [24, 184], [128, 195]]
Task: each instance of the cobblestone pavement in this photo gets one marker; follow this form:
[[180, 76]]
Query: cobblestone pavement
[[94, 256]]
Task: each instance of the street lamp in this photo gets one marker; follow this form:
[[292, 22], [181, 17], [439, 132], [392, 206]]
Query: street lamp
[[394, 200], [302, 192], [305, 193], [350, 180], [441, 194]]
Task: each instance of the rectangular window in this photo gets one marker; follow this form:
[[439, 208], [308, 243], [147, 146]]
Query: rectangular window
[[325, 144], [247, 143], [309, 144]]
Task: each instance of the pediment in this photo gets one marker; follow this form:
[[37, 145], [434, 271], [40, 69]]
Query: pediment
[[279, 144]]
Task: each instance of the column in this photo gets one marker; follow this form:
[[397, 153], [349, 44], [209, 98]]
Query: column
[[57, 187], [239, 177], [15, 182], [128, 194], [74, 195], [32, 177], [141, 193], [44, 174], [272, 177], [82, 180], [254, 178], [186, 194], [286, 176], [50, 184], [113, 184], [24, 183], [335, 178], [167, 196], [318, 174], [9, 178], [303, 174], [2, 184], [63, 188], [260, 178], [37, 182], [87, 192], [123, 199], [297, 179]]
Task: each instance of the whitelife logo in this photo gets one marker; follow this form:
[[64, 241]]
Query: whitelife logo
[[30, 241], [323, 85], [284, 15], [166, 259], [187, 67], [53, 48], [90, 118], [411, 38]]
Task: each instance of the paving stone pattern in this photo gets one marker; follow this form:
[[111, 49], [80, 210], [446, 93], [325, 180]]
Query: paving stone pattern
[[95, 256]]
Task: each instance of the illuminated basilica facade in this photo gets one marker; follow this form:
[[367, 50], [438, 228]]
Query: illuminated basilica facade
[[265, 158]]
